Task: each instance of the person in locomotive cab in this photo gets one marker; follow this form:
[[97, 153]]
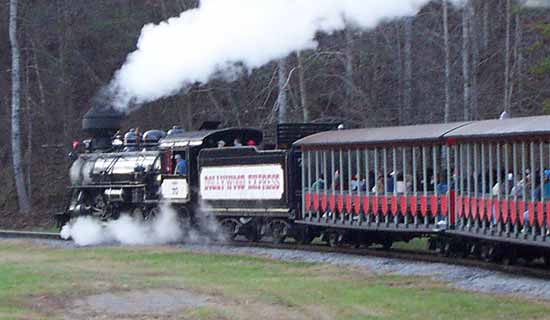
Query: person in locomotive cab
[[181, 165]]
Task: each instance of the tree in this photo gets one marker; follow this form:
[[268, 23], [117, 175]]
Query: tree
[[466, 58], [18, 173], [282, 95], [447, 109], [507, 57], [303, 89], [407, 83]]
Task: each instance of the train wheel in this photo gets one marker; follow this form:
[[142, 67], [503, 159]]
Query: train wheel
[[304, 236], [334, 239], [279, 230], [386, 244], [99, 206], [252, 233], [231, 228], [138, 214], [510, 258]]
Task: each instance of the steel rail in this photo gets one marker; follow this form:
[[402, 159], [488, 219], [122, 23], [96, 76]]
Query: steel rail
[[12, 234]]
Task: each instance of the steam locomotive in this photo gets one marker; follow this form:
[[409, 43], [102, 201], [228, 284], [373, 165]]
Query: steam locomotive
[[251, 192], [479, 187]]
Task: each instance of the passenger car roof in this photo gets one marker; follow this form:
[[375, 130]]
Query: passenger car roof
[[532, 126], [372, 136]]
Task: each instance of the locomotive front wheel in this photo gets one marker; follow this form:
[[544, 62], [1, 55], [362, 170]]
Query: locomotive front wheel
[[138, 214]]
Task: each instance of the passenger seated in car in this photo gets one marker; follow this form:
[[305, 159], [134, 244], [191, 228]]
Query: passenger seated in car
[[181, 165]]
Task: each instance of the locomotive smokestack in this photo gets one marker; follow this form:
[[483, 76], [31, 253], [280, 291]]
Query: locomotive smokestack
[[102, 121]]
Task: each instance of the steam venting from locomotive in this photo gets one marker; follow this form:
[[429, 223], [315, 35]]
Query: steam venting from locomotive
[[164, 228], [222, 38]]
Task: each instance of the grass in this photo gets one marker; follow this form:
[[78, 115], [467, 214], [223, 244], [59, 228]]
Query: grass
[[243, 287], [417, 244]]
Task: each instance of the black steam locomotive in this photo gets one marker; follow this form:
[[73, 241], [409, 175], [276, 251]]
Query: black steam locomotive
[[251, 192]]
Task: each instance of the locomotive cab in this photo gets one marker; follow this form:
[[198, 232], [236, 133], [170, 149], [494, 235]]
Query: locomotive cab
[[179, 186]]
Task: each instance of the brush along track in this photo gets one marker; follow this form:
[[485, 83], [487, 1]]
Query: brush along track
[[29, 235], [535, 271]]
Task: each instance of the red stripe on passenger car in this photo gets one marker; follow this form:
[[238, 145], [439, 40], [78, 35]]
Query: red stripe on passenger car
[[413, 205], [384, 208], [357, 204], [340, 203], [531, 209], [433, 205], [403, 205], [504, 210], [394, 206], [366, 204], [316, 201], [423, 205]]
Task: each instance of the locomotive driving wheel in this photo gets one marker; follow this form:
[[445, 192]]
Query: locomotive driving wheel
[[99, 206], [231, 228]]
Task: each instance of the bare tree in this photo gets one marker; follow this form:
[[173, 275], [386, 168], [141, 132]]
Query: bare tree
[[507, 57], [447, 62], [474, 41], [282, 95], [486, 31], [407, 82], [466, 58], [348, 62], [18, 173], [303, 88]]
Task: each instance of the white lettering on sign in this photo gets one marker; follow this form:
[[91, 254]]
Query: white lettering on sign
[[253, 182], [174, 189]]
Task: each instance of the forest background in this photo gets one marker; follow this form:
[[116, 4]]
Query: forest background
[[445, 64]]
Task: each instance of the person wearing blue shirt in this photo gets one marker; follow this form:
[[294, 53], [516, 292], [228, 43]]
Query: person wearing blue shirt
[[181, 166]]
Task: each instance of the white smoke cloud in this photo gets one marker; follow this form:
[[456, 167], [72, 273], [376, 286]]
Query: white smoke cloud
[[221, 37], [164, 228]]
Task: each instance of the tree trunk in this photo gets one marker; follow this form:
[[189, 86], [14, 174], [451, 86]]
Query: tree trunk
[[474, 38], [486, 22], [447, 111], [303, 88], [18, 173], [28, 105], [348, 52], [507, 58], [466, 59], [282, 86], [516, 77], [407, 83]]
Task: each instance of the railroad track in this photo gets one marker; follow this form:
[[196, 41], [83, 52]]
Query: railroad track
[[537, 271], [29, 235]]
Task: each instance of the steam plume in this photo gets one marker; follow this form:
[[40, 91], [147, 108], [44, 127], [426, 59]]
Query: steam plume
[[223, 37], [164, 228]]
